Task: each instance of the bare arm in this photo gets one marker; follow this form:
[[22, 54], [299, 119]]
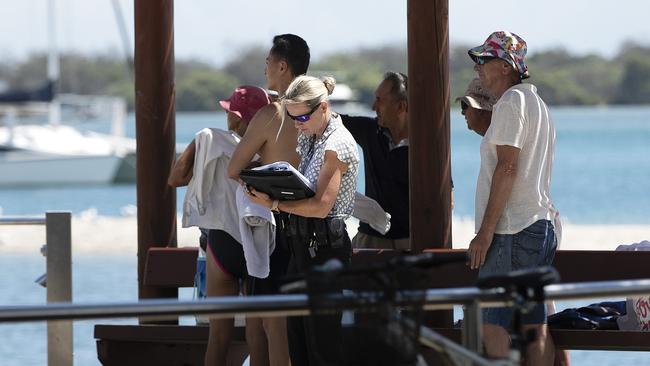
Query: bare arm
[[327, 188], [182, 170], [253, 140], [502, 182]]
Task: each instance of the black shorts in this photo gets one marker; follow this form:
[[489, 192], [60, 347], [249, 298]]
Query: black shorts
[[228, 253], [279, 262]]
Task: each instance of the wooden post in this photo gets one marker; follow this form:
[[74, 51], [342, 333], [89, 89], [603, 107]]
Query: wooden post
[[155, 132], [429, 151], [429, 166]]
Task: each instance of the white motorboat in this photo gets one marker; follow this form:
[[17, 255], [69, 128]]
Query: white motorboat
[[53, 154], [29, 168], [33, 154], [344, 100]]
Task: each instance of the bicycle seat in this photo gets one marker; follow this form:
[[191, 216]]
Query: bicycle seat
[[535, 278]]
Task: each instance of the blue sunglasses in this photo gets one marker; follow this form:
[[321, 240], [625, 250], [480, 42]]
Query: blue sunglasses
[[304, 117]]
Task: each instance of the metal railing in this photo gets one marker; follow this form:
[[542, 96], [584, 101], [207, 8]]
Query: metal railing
[[297, 304], [60, 311], [59, 278], [23, 220], [471, 298]]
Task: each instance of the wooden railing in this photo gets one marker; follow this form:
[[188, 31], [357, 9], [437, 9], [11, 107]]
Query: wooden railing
[[188, 342]]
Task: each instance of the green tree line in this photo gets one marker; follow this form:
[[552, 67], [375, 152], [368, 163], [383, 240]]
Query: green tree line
[[562, 78]]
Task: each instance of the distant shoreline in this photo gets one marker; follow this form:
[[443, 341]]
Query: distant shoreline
[[118, 236]]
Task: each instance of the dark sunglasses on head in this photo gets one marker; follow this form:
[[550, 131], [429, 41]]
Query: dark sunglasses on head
[[304, 117], [484, 59]]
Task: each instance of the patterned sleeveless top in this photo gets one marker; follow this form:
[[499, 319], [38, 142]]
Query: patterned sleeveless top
[[312, 156]]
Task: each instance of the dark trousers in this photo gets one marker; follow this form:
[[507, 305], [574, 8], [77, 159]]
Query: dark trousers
[[316, 340]]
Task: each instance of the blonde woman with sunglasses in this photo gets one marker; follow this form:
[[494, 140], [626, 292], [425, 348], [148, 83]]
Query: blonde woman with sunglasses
[[314, 227]]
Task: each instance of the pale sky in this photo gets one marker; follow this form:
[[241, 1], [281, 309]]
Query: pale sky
[[214, 30]]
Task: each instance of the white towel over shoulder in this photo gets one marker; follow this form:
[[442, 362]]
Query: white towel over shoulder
[[210, 198], [369, 211], [257, 228]]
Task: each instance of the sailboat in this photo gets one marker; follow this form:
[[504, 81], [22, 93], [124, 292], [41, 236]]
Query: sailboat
[[53, 153]]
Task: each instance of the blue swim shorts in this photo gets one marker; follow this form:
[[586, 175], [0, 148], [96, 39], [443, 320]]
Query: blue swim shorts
[[534, 246]]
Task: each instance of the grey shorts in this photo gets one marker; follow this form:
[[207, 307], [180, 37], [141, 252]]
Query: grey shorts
[[534, 246]]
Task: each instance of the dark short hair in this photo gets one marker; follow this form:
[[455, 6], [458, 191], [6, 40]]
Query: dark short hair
[[399, 84], [293, 50]]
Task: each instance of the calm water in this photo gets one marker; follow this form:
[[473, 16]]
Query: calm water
[[601, 176], [601, 171]]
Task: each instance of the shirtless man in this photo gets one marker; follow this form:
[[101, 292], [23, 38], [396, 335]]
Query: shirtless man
[[274, 139], [266, 134]]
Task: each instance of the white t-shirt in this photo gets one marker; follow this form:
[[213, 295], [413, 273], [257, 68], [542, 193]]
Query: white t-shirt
[[520, 118]]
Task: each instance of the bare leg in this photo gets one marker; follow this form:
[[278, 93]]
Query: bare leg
[[496, 340], [276, 334], [561, 355], [542, 351], [257, 344], [219, 283]]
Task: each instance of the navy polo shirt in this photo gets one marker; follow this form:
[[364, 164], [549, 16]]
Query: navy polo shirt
[[386, 174]]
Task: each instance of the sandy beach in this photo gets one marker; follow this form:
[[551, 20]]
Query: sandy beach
[[92, 234]]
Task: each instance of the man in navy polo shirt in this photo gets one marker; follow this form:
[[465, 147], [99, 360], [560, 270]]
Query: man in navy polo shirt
[[384, 141]]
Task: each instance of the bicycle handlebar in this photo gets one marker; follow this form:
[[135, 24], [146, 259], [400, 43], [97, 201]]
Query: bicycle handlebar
[[334, 267], [428, 260], [423, 260]]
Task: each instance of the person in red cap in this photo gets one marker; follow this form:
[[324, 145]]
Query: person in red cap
[[242, 105], [226, 267], [514, 210]]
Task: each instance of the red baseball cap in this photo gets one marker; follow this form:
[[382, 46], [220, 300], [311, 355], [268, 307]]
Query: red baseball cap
[[245, 101]]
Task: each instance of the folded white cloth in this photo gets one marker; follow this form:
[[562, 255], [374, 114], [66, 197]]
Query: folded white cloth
[[369, 211], [257, 230]]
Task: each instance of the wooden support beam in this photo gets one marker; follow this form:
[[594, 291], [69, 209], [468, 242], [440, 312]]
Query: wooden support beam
[[155, 132], [429, 151]]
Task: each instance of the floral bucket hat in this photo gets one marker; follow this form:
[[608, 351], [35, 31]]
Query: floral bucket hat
[[506, 46]]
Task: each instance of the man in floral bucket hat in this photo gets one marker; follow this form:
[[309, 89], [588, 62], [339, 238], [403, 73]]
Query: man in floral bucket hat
[[514, 211], [506, 46]]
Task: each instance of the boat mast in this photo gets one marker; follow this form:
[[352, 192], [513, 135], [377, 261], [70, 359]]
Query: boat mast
[[119, 108], [124, 35], [53, 68]]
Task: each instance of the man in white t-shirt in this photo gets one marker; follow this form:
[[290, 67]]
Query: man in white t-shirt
[[514, 211]]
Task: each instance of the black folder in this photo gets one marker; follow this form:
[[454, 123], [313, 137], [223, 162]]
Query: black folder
[[278, 184]]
